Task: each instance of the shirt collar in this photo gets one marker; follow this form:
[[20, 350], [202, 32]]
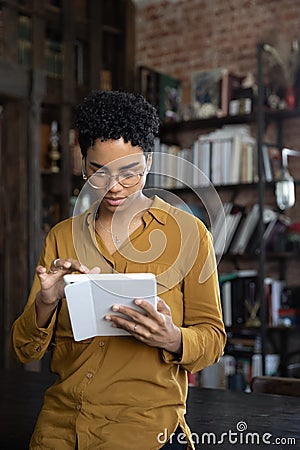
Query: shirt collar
[[159, 210]]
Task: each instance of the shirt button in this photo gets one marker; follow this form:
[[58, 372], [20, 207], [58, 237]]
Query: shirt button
[[89, 375], [101, 344], [78, 407]]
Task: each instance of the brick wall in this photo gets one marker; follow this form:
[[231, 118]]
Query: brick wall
[[179, 37]]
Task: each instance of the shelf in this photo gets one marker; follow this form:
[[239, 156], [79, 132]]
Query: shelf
[[215, 122], [242, 329], [283, 115], [283, 329], [251, 330], [269, 256], [210, 122]]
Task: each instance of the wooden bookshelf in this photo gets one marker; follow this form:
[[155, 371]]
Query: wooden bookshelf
[[274, 263], [42, 77]]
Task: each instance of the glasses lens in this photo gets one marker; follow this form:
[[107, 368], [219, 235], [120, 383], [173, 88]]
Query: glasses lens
[[129, 179], [99, 180]]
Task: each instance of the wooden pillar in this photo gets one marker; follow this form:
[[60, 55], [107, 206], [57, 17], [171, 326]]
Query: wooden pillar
[[15, 213]]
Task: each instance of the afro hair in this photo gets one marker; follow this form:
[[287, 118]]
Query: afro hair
[[107, 115]]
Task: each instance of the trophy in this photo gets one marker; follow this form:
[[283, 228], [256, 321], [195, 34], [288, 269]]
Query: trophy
[[252, 306]]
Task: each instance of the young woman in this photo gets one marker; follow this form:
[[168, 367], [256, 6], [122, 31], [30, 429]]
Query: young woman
[[122, 392]]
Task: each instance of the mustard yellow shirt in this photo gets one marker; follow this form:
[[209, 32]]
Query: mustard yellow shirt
[[116, 392]]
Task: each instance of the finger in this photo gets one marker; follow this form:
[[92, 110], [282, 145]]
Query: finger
[[131, 313], [121, 322], [151, 322], [41, 273], [146, 306], [40, 269], [162, 307], [146, 318], [57, 265], [67, 265]]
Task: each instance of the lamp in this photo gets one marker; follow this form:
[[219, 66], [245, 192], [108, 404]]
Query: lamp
[[285, 185]]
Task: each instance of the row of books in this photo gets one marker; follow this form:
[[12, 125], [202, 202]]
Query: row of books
[[282, 303], [24, 40], [81, 67], [238, 296], [241, 306], [54, 58], [227, 155], [223, 157], [242, 235]]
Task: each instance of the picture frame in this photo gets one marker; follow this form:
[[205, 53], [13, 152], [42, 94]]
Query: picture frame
[[161, 90], [206, 90]]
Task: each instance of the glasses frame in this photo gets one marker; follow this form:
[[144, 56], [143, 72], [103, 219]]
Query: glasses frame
[[110, 177]]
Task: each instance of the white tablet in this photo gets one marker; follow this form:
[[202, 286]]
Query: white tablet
[[91, 297]]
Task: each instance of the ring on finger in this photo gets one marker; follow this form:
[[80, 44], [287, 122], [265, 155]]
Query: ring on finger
[[55, 262], [57, 267], [134, 328]]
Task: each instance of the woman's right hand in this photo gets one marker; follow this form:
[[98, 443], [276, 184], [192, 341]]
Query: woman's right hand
[[52, 285]]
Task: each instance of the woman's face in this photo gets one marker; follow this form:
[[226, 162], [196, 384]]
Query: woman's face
[[121, 161]]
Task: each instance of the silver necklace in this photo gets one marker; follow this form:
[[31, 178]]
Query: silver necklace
[[115, 237]]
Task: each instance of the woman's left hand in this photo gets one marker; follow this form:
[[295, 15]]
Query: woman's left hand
[[155, 328]]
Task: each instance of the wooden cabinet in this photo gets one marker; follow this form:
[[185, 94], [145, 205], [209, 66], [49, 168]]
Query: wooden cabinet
[[52, 53]]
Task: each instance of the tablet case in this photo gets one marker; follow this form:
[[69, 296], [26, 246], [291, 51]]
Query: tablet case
[[90, 298]]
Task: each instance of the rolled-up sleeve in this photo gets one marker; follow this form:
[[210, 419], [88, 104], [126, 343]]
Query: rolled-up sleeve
[[29, 342], [203, 332]]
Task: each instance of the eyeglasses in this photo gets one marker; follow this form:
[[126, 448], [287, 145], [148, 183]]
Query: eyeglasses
[[101, 180]]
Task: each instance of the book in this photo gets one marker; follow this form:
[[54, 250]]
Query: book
[[276, 291], [230, 82], [54, 59], [106, 80], [76, 156], [24, 40], [219, 230], [226, 303], [266, 164], [246, 231], [234, 219], [271, 162], [275, 240], [236, 287], [161, 90], [169, 98], [204, 148]]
